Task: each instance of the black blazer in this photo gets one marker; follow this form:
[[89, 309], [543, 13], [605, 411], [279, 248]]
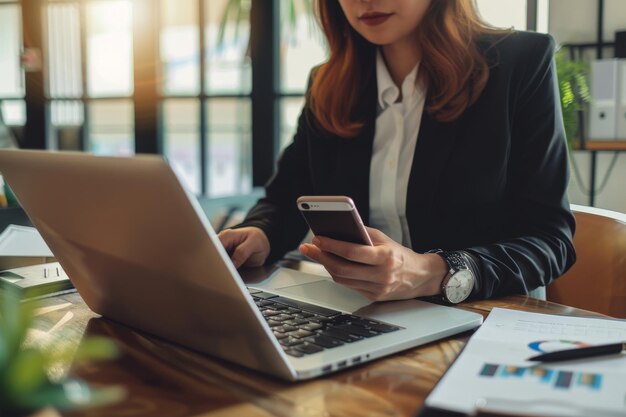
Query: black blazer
[[492, 183]]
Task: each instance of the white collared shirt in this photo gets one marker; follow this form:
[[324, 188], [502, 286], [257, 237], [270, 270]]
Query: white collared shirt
[[397, 127]]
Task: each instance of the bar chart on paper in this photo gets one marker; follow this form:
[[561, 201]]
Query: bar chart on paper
[[542, 376]]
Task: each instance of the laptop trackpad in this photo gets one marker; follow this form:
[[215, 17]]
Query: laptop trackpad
[[326, 294]]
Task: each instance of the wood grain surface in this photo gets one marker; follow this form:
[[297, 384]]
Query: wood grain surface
[[166, 380]]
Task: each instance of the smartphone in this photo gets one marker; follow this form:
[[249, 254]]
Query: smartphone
[[335, 217]]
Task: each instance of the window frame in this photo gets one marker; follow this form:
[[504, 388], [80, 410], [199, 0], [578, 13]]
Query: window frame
[[147, 98]]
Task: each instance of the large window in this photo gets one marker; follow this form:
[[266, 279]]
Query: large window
[[302, 47], [514, 13], [202, 84], [205, 87], [504, 13], [12, 103], [175, 76], [90, 75]]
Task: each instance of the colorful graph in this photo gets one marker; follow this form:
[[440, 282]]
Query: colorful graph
[[545, 346], [558, 379]]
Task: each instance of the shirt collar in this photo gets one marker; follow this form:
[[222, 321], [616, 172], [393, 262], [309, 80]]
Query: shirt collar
[[387, 91]]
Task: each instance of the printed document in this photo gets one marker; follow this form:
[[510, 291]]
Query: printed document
[[23, 241], [492, 372]]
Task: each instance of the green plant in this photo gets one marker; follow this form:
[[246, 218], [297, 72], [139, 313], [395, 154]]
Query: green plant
[[25, 378], [238, 12], [574, 92]]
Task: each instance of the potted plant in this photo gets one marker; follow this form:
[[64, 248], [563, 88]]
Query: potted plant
[[238, 13], [574, 92], [26, 385]]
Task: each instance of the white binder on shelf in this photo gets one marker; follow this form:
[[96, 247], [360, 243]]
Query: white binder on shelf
[[621, 111], [604, 99]]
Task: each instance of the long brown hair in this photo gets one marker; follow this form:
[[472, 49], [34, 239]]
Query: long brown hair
[[451, 65]]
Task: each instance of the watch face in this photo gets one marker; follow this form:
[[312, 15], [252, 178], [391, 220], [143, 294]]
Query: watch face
[[459, 286]]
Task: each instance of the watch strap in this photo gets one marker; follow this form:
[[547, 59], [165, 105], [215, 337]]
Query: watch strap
[[456, 261]]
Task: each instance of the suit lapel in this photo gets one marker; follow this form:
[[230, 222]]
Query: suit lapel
[[434, 144], [355, 154]]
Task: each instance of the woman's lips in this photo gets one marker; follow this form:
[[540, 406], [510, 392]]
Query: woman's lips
[[375, 18]]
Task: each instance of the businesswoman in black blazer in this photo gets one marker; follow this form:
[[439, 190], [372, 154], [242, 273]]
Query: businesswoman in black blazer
[[448, 136]]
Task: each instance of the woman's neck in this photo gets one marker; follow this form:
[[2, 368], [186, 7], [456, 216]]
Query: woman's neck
[[401, 58]]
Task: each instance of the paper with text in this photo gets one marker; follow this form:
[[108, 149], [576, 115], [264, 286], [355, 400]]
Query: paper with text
[[23, 241], [492, 372]]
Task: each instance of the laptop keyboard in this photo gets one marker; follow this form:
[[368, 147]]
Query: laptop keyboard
[[303, 328]]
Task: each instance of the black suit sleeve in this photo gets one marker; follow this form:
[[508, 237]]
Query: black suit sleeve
[[539, 221], [277, 214]]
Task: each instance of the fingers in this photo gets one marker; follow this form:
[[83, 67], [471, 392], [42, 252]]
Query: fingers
[[351, 251], [377, 236], [241, 254], [246, 246], [382, 255], [366, 284], [339, 267], [228, 239]]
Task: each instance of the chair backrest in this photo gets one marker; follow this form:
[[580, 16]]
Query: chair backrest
[[597, 281]]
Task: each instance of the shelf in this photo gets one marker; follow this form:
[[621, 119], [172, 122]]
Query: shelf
[[602, 145]]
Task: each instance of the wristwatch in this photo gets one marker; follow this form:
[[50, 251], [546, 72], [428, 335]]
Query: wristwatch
[[458, 283]]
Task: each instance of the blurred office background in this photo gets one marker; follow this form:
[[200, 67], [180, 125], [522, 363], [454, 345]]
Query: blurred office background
[[215, 85]]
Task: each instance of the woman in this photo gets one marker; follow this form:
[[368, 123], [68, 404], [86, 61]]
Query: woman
[[448, 136]]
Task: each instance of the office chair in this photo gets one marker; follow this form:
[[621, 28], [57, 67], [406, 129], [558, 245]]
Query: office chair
[[597, 281]]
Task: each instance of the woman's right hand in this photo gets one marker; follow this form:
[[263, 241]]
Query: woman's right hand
[[247, 246]]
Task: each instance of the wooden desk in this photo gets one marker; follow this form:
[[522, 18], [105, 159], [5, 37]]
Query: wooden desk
[[162, 379]]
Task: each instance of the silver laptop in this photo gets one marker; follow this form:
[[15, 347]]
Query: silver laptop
[[140, 251]]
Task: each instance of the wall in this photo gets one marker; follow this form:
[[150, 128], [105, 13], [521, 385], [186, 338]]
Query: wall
[[576, 21]]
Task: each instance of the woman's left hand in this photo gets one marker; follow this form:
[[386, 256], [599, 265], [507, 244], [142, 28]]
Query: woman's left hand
[[385, 271]]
